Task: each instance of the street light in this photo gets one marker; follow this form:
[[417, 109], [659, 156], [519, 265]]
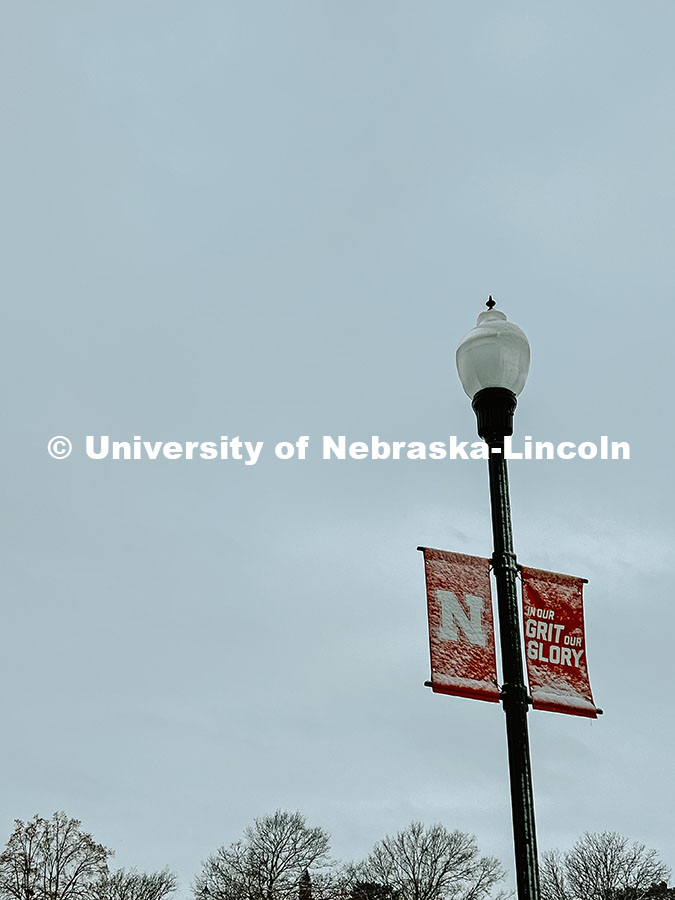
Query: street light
[[493, 360]]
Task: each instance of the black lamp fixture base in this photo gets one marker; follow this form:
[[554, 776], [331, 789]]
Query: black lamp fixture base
[[494, 408]]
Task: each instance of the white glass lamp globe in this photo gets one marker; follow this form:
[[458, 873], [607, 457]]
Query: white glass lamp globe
[[495, 353]]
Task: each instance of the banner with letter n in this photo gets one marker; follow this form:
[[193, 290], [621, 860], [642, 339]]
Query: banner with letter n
[[461, 629], [555, 643]]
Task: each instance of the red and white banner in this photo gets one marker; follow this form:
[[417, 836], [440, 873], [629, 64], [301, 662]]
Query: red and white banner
[[555, 643], [461, 630]]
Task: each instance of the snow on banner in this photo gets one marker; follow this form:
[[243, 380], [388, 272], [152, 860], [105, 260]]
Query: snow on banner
[[555, 643], [461, 630]]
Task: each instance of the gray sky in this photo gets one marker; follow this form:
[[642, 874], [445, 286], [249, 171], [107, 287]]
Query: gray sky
[[275, 219]]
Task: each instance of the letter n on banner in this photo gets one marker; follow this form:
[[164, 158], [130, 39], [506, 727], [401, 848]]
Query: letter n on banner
[[461, 630], [555, 643]]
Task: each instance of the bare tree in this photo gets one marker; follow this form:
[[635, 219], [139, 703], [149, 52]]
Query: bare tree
[[552, 879], [133, 885], [324, 885], [268, 863], [51, 859], [370, 890], [431, 863], [659, 891], [601, 866]]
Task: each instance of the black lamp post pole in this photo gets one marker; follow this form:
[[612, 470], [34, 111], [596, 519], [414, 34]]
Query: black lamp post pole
[[494, 408]]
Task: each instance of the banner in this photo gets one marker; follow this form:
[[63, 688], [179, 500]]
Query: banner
[[555, 644], [461, 631]]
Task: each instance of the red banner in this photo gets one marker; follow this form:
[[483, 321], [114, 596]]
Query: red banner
[[461, 631], [555, 643]]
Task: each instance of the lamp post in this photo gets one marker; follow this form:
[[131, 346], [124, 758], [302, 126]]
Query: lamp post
[[493, 360]]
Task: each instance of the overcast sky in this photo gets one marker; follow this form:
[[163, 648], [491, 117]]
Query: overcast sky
[[274, 219]]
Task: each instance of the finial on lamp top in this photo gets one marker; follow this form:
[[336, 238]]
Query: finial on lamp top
[[490, 302]]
